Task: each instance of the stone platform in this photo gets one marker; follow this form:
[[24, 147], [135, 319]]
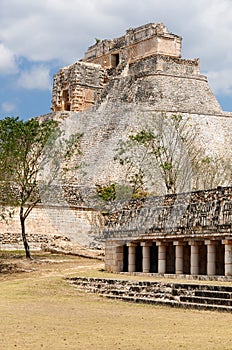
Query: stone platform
[[181, 295]]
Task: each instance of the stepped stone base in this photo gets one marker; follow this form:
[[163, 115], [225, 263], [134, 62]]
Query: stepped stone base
[[181, 295]]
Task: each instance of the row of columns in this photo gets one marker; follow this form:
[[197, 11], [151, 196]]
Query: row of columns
[[179, 257]]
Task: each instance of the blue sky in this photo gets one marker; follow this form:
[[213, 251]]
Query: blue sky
[[38, 37]]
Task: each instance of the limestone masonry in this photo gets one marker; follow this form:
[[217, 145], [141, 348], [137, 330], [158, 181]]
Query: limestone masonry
[[144, 66], [143, 72]]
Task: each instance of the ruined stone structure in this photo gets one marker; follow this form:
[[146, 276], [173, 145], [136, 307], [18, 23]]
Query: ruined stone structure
[[144, 66], [142, 72], [181, 295], [77, 87], [188, 233]]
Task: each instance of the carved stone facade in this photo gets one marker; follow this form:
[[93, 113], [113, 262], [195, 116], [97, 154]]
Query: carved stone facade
[[77, 87]]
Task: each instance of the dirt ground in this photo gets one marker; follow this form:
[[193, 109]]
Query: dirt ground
[[40, 310]]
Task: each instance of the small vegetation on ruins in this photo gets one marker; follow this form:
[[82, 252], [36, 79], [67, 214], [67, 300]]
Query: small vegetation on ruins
[[117, 192], [166, 149], [106, 193]]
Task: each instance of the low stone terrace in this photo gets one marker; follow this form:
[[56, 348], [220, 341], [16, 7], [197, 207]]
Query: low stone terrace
[[181, 295]]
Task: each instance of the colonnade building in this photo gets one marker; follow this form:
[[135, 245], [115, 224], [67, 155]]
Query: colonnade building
[[168, 235]]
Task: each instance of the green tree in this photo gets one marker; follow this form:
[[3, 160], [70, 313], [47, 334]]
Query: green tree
[[21, 148], [27, 148], [165, 144]]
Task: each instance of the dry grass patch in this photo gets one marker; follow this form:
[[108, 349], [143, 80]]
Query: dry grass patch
[[41, 310]]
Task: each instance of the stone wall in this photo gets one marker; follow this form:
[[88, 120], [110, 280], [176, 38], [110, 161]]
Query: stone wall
[[202, 214], [114, 255], [53, 226], [163, 92], [167, 64], [147, 40]]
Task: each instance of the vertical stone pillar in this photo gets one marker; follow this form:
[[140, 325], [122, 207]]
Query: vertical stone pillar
[[146, 256], [131, 257], [179, 263], [114, 255], [119, 258], [211, 257], [195, 258], [161, 257], [228, 257]]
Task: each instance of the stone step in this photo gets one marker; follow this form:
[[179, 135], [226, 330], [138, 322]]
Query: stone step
[[213, 294], [203, 300], [221, 298], [141, 300], [152, 284], [153, 289], [149, 294], [173, 303], [197, 296], [206, 287], [132, 290]]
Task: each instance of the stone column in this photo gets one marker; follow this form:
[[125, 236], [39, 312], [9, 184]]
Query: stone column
[[195, 257], [161, 257], [211, 257], [131, 257], [146, 256], [228, 257], [179, 268]]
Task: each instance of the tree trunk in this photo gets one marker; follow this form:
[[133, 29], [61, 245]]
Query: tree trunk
[[26, 246]]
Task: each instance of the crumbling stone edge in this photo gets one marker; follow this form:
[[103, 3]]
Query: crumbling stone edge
[[180, 295]]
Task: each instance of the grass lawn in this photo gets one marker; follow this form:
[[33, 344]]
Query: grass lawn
[[40, 310]]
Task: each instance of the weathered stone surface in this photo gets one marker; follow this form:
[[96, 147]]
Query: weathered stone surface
[[144, 66], [137, 76], [202, 213], [164, 85], [149, 39], [206, 297], [57, 228], [199, 221], [77, 87]]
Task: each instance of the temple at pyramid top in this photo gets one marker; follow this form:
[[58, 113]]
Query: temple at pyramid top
[[147, 40], [142, 67]]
